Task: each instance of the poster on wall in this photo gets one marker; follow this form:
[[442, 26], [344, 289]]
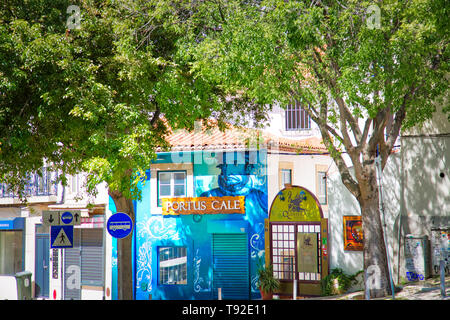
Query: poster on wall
[[353, 233], [307, 252]]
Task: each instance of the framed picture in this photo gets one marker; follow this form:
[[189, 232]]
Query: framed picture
[[353, 233]]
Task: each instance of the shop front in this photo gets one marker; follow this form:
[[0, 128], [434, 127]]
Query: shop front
[[12, 238], [202, 237], [296, 237]]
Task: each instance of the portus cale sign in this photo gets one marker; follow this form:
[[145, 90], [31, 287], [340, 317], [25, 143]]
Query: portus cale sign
[[203, 205]]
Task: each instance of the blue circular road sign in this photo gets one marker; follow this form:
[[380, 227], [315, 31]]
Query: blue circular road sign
[[119, 225], [67, 217]]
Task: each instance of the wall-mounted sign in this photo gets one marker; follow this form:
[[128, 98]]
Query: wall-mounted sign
[[353, 233], [203, 205], [119, 225], [307, 252], [295, 204], [61, 218], [55, 263], [61, 236]]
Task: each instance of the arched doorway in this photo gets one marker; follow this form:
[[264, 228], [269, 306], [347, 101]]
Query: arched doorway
[[296, 240]]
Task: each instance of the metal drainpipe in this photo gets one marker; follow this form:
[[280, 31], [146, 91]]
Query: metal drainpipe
[[402, 208]]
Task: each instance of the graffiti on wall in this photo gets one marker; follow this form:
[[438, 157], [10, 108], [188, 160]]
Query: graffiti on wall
[[200, 284], [415, 255], [295, 204], [144, 267], [240, 180], [440, 243], [148, 230], [244, 179]]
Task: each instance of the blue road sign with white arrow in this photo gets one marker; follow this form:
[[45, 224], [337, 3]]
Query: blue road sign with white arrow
[[119, 225], [67, 217]]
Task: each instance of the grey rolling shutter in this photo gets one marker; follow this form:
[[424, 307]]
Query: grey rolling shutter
[[92, 257], [72, 264], [231, 266]]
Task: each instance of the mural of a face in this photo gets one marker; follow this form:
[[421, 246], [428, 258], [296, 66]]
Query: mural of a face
[[234, 178]]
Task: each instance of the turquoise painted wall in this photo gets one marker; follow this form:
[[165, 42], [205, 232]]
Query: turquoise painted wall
[[195, 232]]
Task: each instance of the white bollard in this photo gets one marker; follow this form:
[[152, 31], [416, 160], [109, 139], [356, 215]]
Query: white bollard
[[294, 291]]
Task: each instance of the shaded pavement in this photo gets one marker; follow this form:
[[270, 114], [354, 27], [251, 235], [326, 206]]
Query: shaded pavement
[[428, 289]]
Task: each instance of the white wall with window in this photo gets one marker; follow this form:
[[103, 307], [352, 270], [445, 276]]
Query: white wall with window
[[304, 170], [291, 121]]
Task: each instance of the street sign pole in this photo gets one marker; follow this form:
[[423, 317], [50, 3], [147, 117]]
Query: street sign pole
[[442, 277]]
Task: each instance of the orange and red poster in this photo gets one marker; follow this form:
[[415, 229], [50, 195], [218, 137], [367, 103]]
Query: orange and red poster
[[353, 233]]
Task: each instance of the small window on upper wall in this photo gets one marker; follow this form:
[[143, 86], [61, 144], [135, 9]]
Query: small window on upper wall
[[286, 177], [296, 118], [322, 187], [171, 184]]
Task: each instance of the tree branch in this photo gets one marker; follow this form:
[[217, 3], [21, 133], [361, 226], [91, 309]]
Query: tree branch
[[346, 177], [155, 115]]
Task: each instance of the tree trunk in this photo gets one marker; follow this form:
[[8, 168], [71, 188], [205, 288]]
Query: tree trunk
[[377, 282], [124, 249]]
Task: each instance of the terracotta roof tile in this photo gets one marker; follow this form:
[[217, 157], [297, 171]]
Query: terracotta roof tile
[[236, 138]]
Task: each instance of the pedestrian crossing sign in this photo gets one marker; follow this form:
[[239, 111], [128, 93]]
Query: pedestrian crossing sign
[[61, 237]]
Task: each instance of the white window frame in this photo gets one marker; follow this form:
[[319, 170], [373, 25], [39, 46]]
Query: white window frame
[[76, 185], [285, 165], [171, 184], [321, 171], [154, 168], [322, 187], [286, 173]]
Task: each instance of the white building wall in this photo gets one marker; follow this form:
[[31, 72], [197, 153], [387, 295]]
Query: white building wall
[[277, 121], [65, 198], [416, 196], [304, 172], [341, 203]]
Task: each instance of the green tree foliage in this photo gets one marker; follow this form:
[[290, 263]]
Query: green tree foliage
[[99, 92], [92, 98], [101, 97], [363, 70]]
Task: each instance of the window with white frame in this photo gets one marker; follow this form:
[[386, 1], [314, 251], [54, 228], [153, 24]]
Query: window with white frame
[[76, 182], [322, 187], [171, 184], [283, 251], [296, 118], [172, 265], [286, 177], [287, 252]]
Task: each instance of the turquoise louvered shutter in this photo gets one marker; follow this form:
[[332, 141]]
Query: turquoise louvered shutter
[[231, 266]]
